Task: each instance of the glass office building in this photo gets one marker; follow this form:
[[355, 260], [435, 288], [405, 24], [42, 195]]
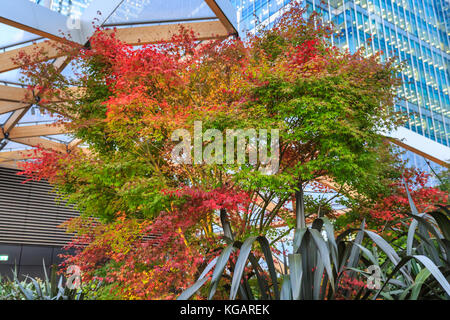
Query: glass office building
[[415, 31]]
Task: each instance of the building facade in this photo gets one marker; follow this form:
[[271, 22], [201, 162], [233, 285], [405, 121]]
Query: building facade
[[414, 31], [30, 216]]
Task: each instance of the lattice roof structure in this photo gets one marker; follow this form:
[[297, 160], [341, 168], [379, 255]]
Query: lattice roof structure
[[29, 25]]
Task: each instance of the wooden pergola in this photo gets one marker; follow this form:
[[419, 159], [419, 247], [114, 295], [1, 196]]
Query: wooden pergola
[[50, 26]]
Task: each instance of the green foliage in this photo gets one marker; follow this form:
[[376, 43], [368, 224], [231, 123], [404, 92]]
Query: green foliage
[[115, 184], [329, 109], [444, 180]]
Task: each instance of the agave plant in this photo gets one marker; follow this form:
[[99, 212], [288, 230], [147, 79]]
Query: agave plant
[[36, 289], [9, 289], [320, 260]]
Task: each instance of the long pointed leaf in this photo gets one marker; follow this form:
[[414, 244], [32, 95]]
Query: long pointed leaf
[[218, 270], [443, 222], [324, 254], [265, 247], [298, 238], [240, 265], [296, 273], [427, 263], [197, 285], [286, 291], [192, 289], [329, 229], [390, 252], [420, 280], [226, 226], [262, 282], [410, 238], [435, 272], [367, 253], [318, 275], [354, 255], [410, 200]]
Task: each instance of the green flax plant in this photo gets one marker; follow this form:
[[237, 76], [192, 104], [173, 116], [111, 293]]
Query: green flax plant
[[420, 269], [320, 260]]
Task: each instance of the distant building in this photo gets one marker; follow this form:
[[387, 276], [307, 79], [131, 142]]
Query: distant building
[[416, 31]]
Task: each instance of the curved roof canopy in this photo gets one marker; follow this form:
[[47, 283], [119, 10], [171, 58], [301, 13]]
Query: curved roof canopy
[[26, 25]]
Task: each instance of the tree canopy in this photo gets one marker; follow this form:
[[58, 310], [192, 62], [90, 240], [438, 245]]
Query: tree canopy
[[328, 105]]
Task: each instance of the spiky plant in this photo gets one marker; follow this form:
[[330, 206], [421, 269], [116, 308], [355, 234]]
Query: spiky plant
[[35, 289], [318, 262], [421, 268]]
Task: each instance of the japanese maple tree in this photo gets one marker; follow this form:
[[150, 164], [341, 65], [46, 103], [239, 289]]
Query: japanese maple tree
[[328, 105]]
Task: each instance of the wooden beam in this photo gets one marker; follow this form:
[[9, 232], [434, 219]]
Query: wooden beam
[[74, 143], [36, 130], [219, 12], [18, 94], [46, 49], [420, 153], [29, 29], [330, 183], [14, 119], [15, 94], [17, 155], [9, 164], [59, 64], [6, 106], [43, 143], [151, 34]]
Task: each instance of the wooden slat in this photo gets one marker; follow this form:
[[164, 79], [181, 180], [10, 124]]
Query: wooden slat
[[37, 130], [17, 155], [15, 94], [59, 64], [9, 164], [46, 49], [151, 34], [27, 135], [44, 143], [7, 106], [50, 50], [14, 119], [219, 14], [18, 94], [74, 143]]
